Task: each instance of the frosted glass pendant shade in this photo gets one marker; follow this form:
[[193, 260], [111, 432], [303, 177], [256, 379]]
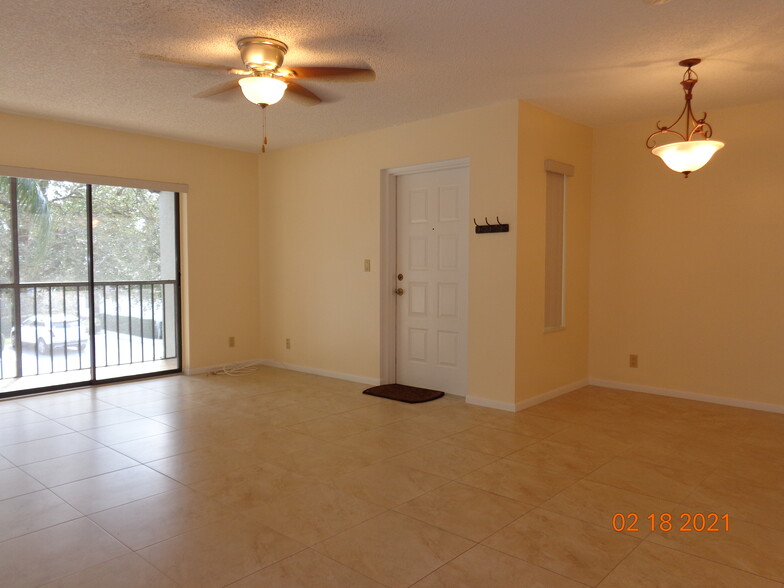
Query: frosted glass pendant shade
[[262, 89], [687, 156]]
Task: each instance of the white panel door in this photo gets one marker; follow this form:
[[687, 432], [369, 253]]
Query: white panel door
[[432, 260]]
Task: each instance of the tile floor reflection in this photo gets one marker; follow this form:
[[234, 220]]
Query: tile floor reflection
[[286, 479]]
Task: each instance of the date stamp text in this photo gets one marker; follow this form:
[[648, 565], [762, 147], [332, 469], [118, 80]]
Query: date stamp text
[[686, 523]]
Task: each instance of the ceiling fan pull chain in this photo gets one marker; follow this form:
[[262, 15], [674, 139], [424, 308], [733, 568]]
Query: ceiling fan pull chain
[[264, 127]]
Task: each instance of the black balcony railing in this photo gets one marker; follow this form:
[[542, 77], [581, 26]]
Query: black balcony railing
[[61, 327]]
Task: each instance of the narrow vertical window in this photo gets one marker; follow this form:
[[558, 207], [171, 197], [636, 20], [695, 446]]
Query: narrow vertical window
[[555, 244]]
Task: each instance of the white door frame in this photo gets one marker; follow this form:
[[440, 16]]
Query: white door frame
[[388, 256]]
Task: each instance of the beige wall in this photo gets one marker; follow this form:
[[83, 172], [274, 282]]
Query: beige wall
[[319, 218], [689, 273], [550, 360], [221, 230]]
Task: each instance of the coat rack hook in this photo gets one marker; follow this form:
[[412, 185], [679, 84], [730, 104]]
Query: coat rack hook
[[497, 227]]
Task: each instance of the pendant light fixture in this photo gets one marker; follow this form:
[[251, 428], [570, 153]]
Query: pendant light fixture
[[689, 154]]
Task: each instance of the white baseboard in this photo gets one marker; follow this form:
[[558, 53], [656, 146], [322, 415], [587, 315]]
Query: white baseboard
[[214, 368], [318, 372], [529, 402], [486, 403], [751, 404], [285, 366]]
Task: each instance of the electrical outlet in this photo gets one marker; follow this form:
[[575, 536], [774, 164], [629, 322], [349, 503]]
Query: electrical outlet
[[367, 265], [231, 341], [633, 360], [288, 343]]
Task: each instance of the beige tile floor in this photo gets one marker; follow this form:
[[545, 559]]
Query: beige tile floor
[[286, 479]]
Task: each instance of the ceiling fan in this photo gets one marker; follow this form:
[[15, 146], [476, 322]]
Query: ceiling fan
[[264, 81]]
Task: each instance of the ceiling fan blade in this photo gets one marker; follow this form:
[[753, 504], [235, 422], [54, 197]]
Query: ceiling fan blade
[[329, 74], [191, 63], [301, 94], [219, 89]]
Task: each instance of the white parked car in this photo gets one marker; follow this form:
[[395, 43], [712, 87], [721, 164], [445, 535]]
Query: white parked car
[[58, 330]]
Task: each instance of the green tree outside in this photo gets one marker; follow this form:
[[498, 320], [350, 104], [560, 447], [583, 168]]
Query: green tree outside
[[53, 239]]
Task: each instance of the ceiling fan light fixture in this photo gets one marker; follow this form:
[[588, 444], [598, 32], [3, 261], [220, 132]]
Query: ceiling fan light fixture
[[689, 154], [263, 90]]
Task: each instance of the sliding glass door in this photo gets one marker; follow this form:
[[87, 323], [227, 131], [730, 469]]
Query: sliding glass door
[[89, 285], [135, 280]]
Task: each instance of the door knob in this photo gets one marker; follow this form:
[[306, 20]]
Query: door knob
[[399, 291]]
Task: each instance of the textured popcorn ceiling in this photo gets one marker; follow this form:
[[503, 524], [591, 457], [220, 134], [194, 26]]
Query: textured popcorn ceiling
[[597, 62]]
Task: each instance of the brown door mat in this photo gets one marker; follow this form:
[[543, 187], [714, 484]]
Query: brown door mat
[[401, 393]]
